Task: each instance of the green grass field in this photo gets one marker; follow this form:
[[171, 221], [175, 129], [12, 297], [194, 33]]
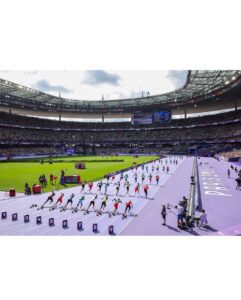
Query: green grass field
[[16, 174]]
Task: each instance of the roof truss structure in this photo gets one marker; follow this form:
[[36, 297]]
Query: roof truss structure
[[198, 83]]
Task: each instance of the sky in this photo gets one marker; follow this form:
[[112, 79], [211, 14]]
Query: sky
[[93, 84]]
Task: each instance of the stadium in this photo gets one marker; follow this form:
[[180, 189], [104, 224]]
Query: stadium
[[166, 164]]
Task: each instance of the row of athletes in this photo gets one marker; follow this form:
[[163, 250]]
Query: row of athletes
[[145, 168], [135, 176], [117, 202], [59, 200], [104, 185], [125, 178]]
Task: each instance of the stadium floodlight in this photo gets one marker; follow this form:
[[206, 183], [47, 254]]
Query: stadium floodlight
[[227, 82], [233, 78]]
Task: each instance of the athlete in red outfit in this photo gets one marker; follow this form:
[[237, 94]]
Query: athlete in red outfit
[[90, 186], [60, 199], [129, 206], [137, 188], [146, 190]]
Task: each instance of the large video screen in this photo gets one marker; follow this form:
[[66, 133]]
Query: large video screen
[[140, 118], [162, 117]]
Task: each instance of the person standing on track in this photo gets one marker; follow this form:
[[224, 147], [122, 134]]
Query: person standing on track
[[100, 185], [90, 186], [116, 204], [121, 176], [157, 179], [129, 206], [135, 177], [228, 173], [146, 190], [150, 178], [203, 218], [142, 177], [167, 169], [164, 214], [127, 184], [126, 177], [180, 215], [106, 187], [137, 188], [83, 185], [117, 187]]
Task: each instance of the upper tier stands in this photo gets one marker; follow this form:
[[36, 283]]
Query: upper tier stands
[[17, 120]]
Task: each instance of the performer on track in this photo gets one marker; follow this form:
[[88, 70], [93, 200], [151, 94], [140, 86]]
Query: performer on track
[[137, 188], [146, 190], [129, 206], [117, 187], [116, 204], [69, 201], [92, 202], [60, 199], [90, 186], [127, 185], [49, 199], [80, 202]]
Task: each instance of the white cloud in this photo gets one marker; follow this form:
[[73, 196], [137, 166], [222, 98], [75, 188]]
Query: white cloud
[[97, 77], [177, 77], [44, 86]]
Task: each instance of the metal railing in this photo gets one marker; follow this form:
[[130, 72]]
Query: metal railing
[[192, 195], [198, 190]]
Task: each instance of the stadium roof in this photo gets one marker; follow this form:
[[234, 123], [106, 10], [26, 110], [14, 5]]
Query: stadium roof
[[198, 84]]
